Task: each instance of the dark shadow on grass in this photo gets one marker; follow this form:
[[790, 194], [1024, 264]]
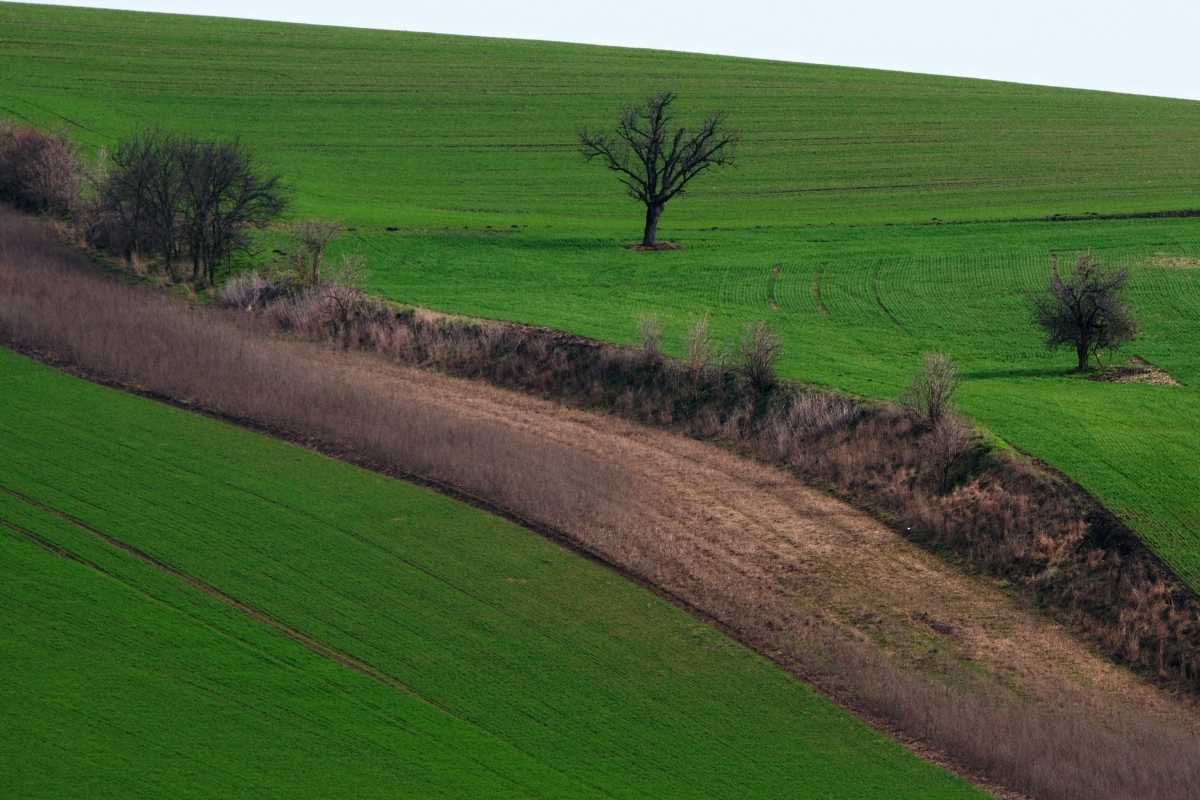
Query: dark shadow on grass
[[1023, 372]]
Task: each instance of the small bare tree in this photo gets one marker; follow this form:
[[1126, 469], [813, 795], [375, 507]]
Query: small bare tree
[[312, 238], [650, 333], [655, 161], [948, 445], [702, 356], [139, 177], [760, 350], [1085, 310], [933, 387]]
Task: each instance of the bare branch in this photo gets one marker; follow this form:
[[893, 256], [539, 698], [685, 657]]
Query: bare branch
[[654, 162]]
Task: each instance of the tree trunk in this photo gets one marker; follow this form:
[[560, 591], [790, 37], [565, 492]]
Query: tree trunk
[[650, 233], [1081, 353]]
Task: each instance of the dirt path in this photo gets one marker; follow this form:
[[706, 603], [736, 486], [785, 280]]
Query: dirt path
[[729, 522]]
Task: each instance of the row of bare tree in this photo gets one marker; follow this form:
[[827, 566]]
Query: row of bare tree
[[173, 197], [156, 195]]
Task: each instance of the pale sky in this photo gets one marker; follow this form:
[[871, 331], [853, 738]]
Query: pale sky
[[1144, 47]]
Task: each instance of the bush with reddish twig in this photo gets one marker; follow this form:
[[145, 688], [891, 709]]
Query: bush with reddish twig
[[40, 172]]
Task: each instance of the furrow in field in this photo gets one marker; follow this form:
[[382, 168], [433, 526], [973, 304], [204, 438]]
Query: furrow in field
[[260, 616], [256, 614]]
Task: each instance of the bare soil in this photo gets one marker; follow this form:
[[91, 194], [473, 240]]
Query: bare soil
[[1136, 370], [1168, 261]]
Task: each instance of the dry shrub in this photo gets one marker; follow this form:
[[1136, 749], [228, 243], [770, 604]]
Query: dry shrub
[[40, 172], [702, 356], [933, 387], [949, 445], [251, 290], [311, 238], [760, 350], [650, 334]]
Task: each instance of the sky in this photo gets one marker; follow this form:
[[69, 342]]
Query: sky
[[1139, 46]]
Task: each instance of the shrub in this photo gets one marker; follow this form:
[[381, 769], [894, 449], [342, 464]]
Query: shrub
[[760, 350], [225, 193], [948, 446], [702, 357], [311, 238], [250, 290], [933, 387], [170, 196], [39, 172], [650, 335]]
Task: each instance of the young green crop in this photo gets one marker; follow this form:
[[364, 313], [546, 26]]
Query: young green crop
[[517, 669], [466, 148]]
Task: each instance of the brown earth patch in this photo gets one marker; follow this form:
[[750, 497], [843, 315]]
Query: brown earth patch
[[1168, 261], [1136, 370]]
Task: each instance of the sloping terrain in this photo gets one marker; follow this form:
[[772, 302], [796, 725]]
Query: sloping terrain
[[199, 611], [964, 672], [453, 160]]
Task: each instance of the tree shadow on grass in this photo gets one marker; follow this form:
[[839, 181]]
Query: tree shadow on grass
[[1023, 372]]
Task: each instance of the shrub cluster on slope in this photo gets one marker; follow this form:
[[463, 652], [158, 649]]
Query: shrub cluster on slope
[[925, 474], [156, 195]]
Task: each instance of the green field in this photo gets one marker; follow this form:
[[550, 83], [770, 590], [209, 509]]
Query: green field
[[465, 147], [521, 670]]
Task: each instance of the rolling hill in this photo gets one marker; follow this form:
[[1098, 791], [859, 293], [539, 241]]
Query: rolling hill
[[199, 611], [907, 213]]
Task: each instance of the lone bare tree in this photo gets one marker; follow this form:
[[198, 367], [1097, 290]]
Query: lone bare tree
[[933, 388], [655, 161], [1085, 310]]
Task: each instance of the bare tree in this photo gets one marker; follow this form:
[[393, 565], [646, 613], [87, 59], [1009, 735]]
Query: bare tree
[[225, 194], [933, 387], [139, 195], [947, 447], [312, 238], [655, 161], [1085, 310]]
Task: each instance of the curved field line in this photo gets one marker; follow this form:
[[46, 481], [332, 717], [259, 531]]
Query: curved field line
[[816, 292], [773, 286], [879, 298], [258, 615]]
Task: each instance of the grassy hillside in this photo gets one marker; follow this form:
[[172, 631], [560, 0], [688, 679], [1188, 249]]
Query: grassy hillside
[[465, 148], [514, 669]]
